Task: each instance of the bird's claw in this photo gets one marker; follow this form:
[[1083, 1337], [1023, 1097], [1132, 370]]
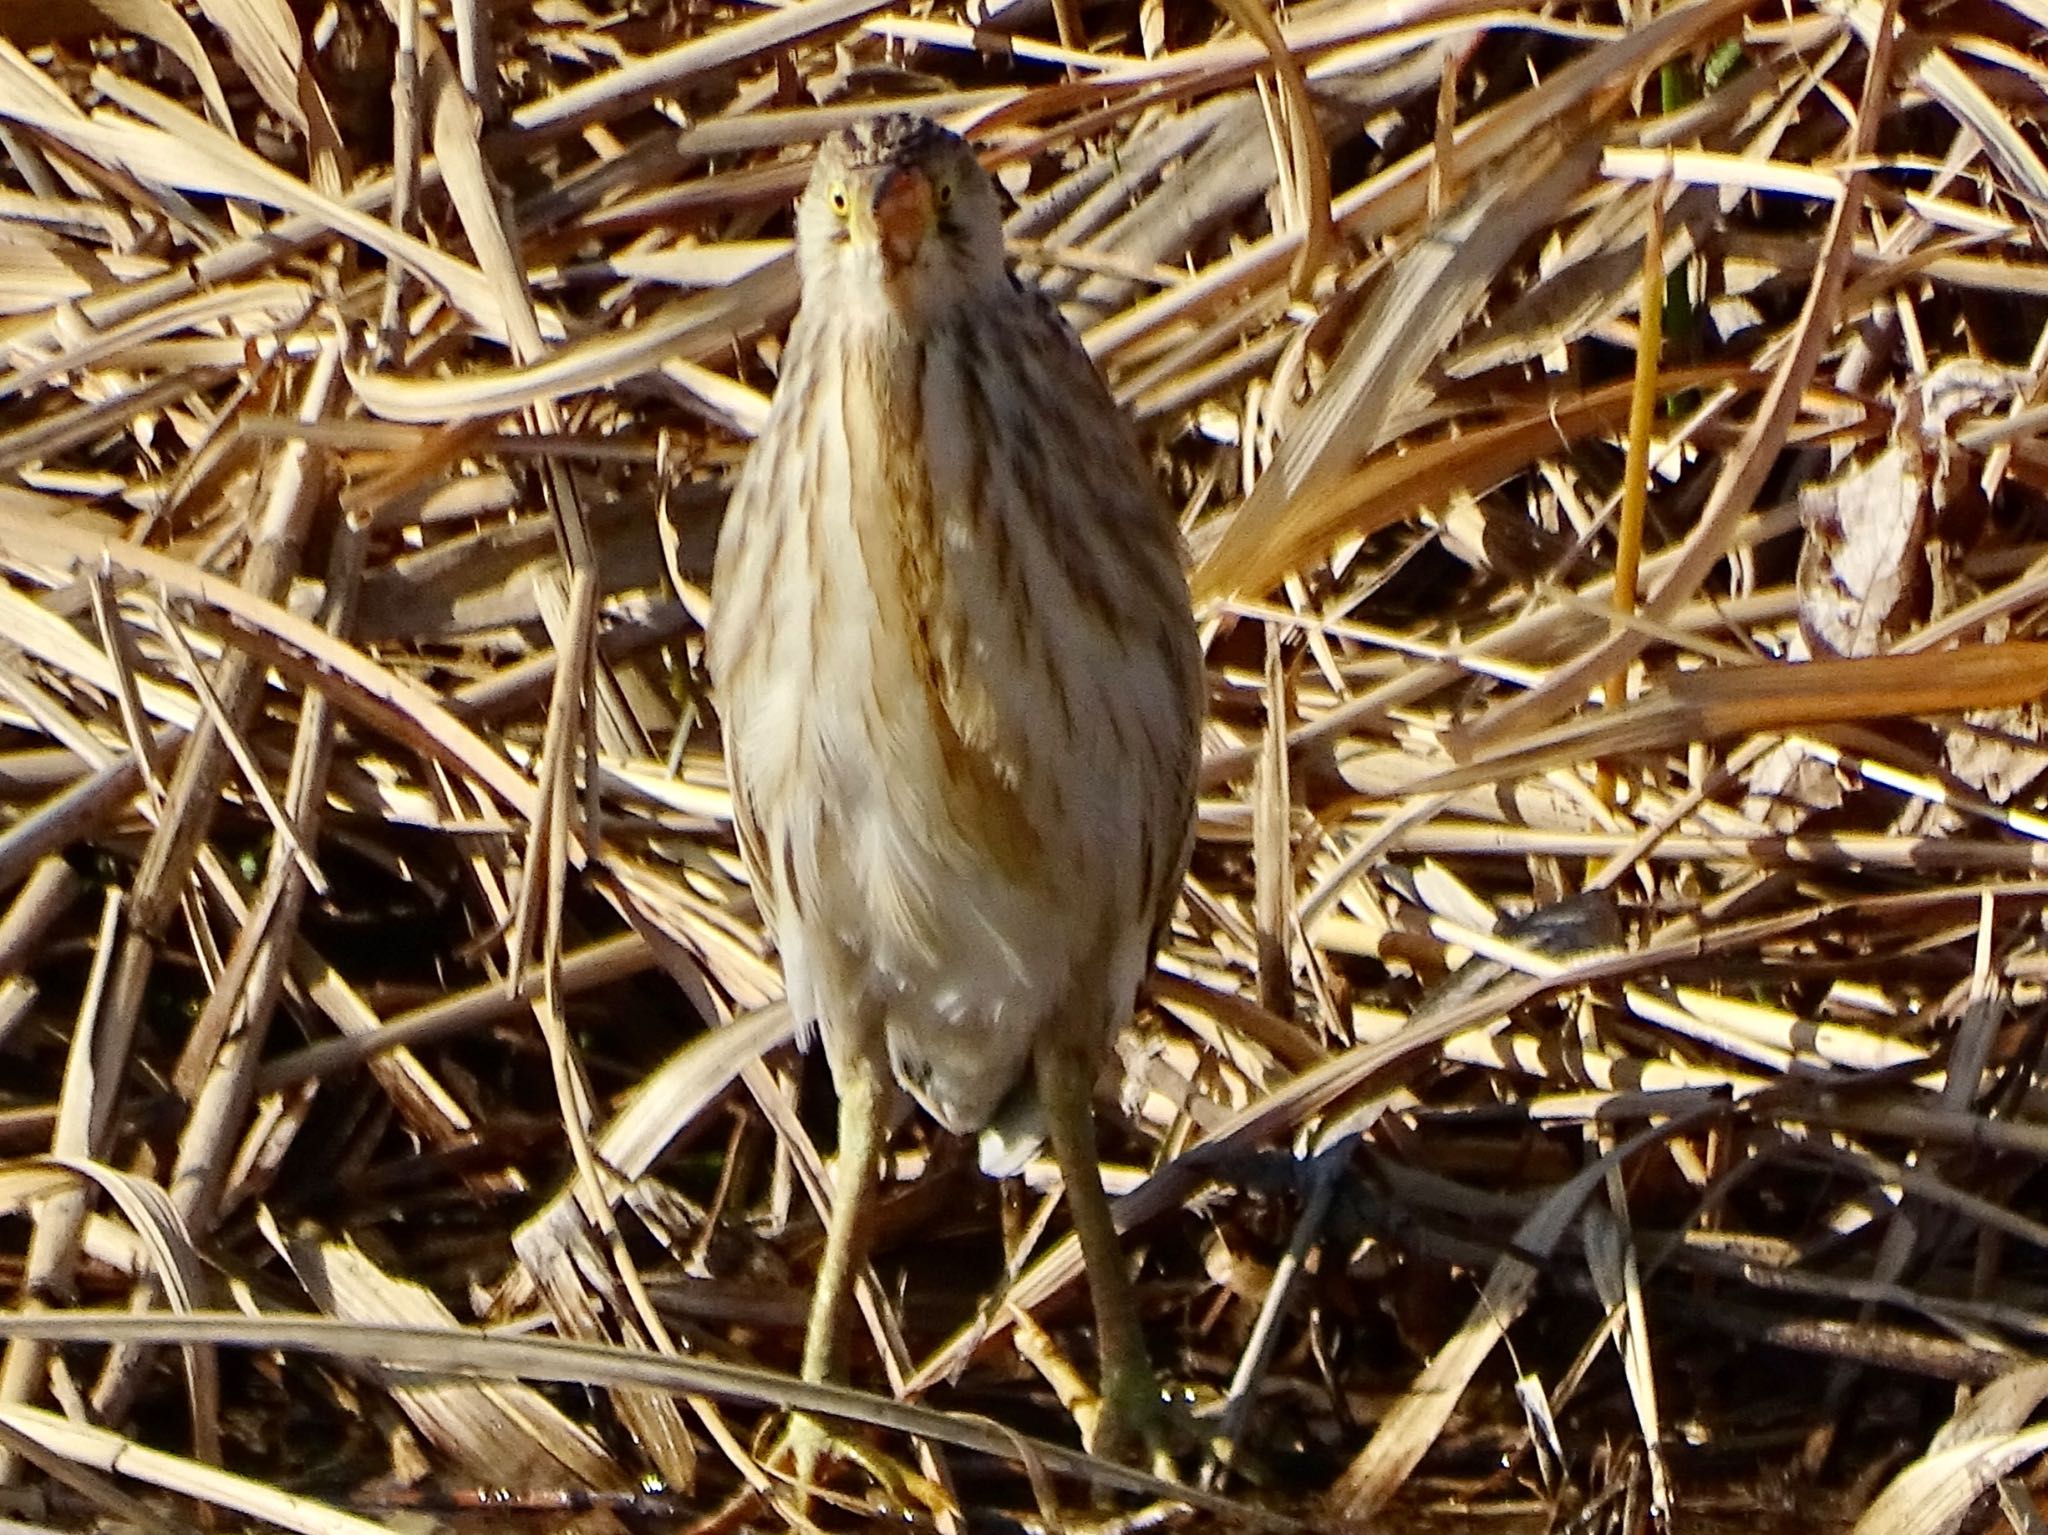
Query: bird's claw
[[1133, 1424], [807, 1445]]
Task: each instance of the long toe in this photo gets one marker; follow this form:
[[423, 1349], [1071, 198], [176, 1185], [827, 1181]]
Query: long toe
[[1135, 1425], [817, 1457]]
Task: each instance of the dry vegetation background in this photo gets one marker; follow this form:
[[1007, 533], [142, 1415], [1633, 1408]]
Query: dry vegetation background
[[1593, 1076]]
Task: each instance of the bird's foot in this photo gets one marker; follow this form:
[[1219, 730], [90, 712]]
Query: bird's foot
[[1132, 1422], [809, 1452]]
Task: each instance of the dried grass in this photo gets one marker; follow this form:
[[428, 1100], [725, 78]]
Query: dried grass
[[1594, 1000]]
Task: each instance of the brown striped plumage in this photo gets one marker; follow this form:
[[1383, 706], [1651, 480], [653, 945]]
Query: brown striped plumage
[[959, 682]]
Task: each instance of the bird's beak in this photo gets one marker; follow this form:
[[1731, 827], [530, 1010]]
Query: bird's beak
[[904, 216]]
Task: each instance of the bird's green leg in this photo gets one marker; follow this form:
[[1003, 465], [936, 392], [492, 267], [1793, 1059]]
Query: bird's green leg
[[1133, 1414], [863, 1124], [865, 1100], [867, 1103]]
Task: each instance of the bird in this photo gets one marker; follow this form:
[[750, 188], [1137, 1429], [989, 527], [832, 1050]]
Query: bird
[[961, 691]]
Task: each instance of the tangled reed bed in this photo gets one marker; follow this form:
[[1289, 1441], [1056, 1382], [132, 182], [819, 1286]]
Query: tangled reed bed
[[1592, 1076]]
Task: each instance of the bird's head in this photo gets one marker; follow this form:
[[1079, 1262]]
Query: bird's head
[[899, 215]]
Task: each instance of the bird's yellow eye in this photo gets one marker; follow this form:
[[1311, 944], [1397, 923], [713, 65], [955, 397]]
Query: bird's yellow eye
[[945, 194], [838, 201]]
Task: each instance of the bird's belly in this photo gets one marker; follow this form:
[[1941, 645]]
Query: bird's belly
[[929, 896], [964, 735]]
